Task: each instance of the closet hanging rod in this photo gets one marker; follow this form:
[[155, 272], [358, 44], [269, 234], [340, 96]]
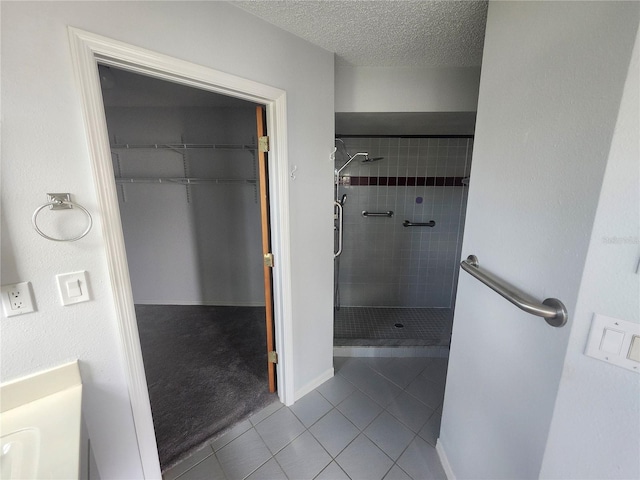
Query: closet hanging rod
[[186, 181], [183, 146]]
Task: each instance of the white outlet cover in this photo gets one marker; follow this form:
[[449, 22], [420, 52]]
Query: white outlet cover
[[13, 306], [75, 280]]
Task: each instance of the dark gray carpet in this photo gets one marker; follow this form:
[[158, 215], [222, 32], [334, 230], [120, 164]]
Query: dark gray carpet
[[206, 370]]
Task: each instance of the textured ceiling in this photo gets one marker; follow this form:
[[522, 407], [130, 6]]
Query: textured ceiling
[[384, 33]]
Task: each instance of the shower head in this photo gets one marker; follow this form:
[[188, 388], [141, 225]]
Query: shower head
[[368, 159], [343, 200]]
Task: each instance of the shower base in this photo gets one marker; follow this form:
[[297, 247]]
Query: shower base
[[392, 326]]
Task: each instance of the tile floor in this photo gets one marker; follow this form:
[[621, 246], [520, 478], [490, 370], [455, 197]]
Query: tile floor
[[377, 418]]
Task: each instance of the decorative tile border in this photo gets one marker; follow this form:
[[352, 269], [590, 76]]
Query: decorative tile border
[[402, 181]]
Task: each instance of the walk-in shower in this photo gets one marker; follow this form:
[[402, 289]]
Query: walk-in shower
[[399, 225]]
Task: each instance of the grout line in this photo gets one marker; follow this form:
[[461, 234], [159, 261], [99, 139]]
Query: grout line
[[279, 465], [190, 468], [254, 470], [337, 464], [273, 454]]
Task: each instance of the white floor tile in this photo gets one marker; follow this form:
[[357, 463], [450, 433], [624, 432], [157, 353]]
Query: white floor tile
[[391, 436], [230, 435], [279, 429], [396, 473], [355, 368], [421, 461], [375, 363], [362, 460], [299, 442], [359, 409], [265, 412], [334, 432], [428, 392], [208, 469], [332, 472], [310, 408], [187, 463], [410, 411], [338, 362], [359, 372], [431, 430], [303, 458], [336, 389], [269, 471], [436, 370], [243, 455], [402, 371], [377, 387]]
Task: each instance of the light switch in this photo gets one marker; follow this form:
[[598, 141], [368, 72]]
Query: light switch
[[611, 341], [73, 288], [615, 341], [634, 349]]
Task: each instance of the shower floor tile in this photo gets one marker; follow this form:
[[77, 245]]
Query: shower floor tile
[[392, 326]]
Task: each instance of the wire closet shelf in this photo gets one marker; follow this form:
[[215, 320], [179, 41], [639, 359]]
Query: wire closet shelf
[[180, 148]]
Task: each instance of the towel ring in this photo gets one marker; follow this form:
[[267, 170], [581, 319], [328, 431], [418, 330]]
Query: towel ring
[[58, 201]]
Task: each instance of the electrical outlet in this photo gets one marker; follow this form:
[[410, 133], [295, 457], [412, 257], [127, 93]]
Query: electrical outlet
[[17, 299]]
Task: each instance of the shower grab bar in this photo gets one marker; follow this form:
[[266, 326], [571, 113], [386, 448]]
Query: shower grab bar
[[430, 223], [377, 214], [340, 224], [551, 309]]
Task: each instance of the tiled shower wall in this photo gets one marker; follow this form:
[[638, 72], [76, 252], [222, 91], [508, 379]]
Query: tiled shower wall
[[419, 179]]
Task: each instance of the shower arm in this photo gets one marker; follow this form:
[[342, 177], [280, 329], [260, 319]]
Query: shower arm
[[337, 171], [351, 158]]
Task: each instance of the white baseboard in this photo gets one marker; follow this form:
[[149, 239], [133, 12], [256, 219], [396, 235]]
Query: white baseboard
[[446, 466], [315, 383], [189, 302]]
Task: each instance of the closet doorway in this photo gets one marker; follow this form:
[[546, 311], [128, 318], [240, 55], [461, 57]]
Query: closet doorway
[[193, 197]]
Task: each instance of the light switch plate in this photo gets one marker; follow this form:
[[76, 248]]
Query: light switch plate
[[634, 350], [611, 340], [73, 288]]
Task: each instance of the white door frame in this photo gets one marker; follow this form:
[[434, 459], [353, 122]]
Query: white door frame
[[87, 51]]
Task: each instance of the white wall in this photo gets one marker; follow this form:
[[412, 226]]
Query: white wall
[[198, 244], [595, 430], [406, 89], [551, 84], [44, 150]]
